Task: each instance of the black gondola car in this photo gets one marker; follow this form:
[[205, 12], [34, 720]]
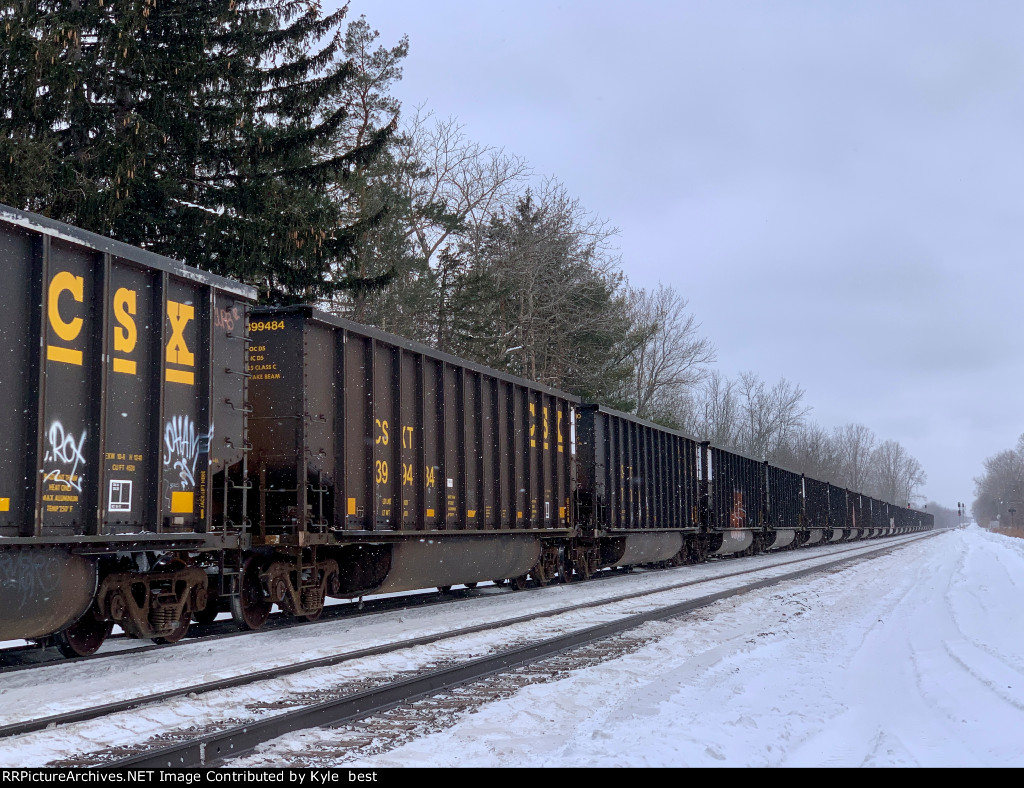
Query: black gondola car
[[122, 398], [365, 444], [172, 454], [639, 489]]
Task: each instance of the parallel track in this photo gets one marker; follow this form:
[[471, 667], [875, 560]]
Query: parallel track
[[18, 658], [29, 657], [217, 747], [372, 700]]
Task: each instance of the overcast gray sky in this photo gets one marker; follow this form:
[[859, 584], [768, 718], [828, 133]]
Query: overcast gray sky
[[836, 187]]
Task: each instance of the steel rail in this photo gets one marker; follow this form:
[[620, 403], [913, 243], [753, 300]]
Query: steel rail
[[95, 712], [48, 656], [213, 748], [211, 632]]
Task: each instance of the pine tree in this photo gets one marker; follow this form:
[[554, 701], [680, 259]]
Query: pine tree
[[540, 297], [208, 130], [389, 285]]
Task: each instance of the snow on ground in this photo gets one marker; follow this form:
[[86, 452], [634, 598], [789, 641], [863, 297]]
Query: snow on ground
[[44, 690], [913, 659], [29, 694]]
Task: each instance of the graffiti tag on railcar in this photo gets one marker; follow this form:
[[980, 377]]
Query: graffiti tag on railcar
[[226, 318], [67, 451], [738, 515], [29, 576], [182, 447]]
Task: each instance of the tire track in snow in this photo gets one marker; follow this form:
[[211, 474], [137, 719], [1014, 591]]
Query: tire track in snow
[[995, 609], [897, 707]]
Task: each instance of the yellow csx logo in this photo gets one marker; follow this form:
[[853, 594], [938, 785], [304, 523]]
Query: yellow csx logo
[[65, 308]]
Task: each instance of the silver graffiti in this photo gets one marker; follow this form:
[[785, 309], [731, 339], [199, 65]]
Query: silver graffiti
[[28, 576], [65, 450], [182, 447]]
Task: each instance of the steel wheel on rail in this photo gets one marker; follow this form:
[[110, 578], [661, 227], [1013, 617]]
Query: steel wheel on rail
[[579, 562], [249, 607], [213, 608], [564, 566], [207, 615], [541, 576], [175, 634], [85, 636]]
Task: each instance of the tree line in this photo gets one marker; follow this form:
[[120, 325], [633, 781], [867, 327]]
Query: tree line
[[260, 140], [1000, 489], [771, 421]]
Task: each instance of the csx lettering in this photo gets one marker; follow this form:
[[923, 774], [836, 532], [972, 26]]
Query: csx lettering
[[177, 349], [68, 330], [382, 438], [126, 335]]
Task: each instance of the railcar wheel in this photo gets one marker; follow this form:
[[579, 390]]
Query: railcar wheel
[[540, 574], [581, 566], [470, 586], [444, 589], [518, 583], [207, 615], [499, 582], [175, 635], [84, 637], [565, 568], [249, 608]]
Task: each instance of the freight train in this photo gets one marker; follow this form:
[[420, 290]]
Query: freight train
[[173, 452]]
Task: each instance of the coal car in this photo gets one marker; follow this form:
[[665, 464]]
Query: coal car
[[174, 452], [381, 465], [122, 407]]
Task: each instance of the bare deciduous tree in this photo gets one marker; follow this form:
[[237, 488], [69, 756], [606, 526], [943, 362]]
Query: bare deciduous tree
[[455, 184], [768, 415], [813, 451], [671, 357], [1000, 487], [856, 442], [713, 411], [897, 475]]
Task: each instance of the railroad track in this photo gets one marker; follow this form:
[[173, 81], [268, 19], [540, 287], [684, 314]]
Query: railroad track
[[211, 742], [27, 657]]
